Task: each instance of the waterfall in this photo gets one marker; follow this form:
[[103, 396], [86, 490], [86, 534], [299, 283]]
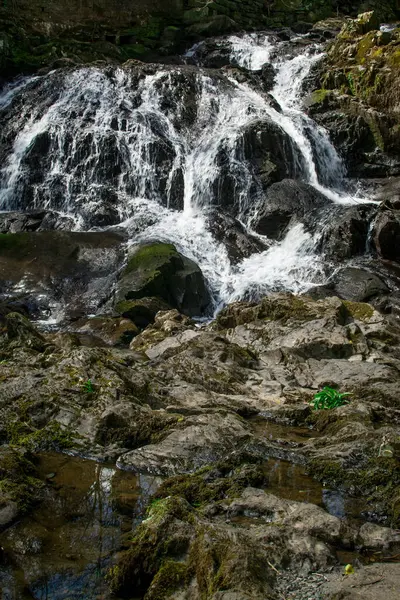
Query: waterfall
[[152, 148]]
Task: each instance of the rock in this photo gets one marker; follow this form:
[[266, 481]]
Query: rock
[[369, 582], [362, 72], [234, 236], [160, 270], [198, 441], [345, 234], [142, 311], [53, 272], [170, 342], [20, 331], [287, 203], [112, 331], [386, 235], [271, 151], [358, 285], [16, 222], [166, 323]]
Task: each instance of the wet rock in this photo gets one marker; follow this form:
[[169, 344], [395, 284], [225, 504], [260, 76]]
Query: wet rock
[[73, 272], [287, 203], [358, 285], [234, 236], [386, 235], [16, 222], [160, 270], [346, 233], [271, 152]]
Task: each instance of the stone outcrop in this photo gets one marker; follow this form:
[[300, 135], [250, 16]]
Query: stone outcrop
[[358, 96]]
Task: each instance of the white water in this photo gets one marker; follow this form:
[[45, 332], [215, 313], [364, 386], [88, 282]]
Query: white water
[[99, 114]]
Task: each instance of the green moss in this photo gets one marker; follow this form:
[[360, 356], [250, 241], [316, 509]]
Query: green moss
[[150, 256], [318, 96], [52, 437], [359, 310], [224, 480], [18, 481], [171, 576], [152, 544], [378, 480], [375, 130]]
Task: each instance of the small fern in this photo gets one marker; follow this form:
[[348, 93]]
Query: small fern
[[329, 398]]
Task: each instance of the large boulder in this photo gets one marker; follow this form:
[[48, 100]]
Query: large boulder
[[285, 204], [58, 273], [159, 270]]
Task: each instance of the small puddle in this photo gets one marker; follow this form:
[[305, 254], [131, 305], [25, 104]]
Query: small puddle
[[62, 550], [291, 482]]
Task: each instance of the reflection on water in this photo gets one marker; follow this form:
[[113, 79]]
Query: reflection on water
[[63, 550], [290, 481]]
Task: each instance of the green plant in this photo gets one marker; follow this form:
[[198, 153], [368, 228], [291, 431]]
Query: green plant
[[329, 398], [88, 387]]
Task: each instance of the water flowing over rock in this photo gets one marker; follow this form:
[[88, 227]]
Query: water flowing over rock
[[153, 149]]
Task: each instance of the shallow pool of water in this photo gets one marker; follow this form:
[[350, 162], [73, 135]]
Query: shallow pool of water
[[62, 550]]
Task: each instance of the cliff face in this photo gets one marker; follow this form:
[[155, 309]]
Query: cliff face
[[359, 97], [36, 33]]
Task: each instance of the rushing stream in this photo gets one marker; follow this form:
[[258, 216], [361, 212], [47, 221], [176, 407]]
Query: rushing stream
[[154, 149]]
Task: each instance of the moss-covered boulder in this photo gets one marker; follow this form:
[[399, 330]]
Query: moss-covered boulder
[[159, 270]]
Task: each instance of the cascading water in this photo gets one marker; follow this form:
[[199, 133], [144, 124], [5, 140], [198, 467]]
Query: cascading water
[[153, 149]]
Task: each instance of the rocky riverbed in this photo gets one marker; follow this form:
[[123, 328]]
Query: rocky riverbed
[[189, 252], [181, 406]]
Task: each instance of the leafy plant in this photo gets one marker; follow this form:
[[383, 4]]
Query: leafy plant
[[329, 398], [88, 387]]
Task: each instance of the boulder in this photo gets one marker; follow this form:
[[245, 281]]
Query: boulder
[[271, 152], [107, 330], [193, 443], [158, 269], [358, 285], [287, 203], [234, 236], [386, 235]]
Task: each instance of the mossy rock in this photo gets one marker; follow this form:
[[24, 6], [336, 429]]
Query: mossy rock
[[212, 484], [19, 485], [159, 270], [359, 310], [377, 479]]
